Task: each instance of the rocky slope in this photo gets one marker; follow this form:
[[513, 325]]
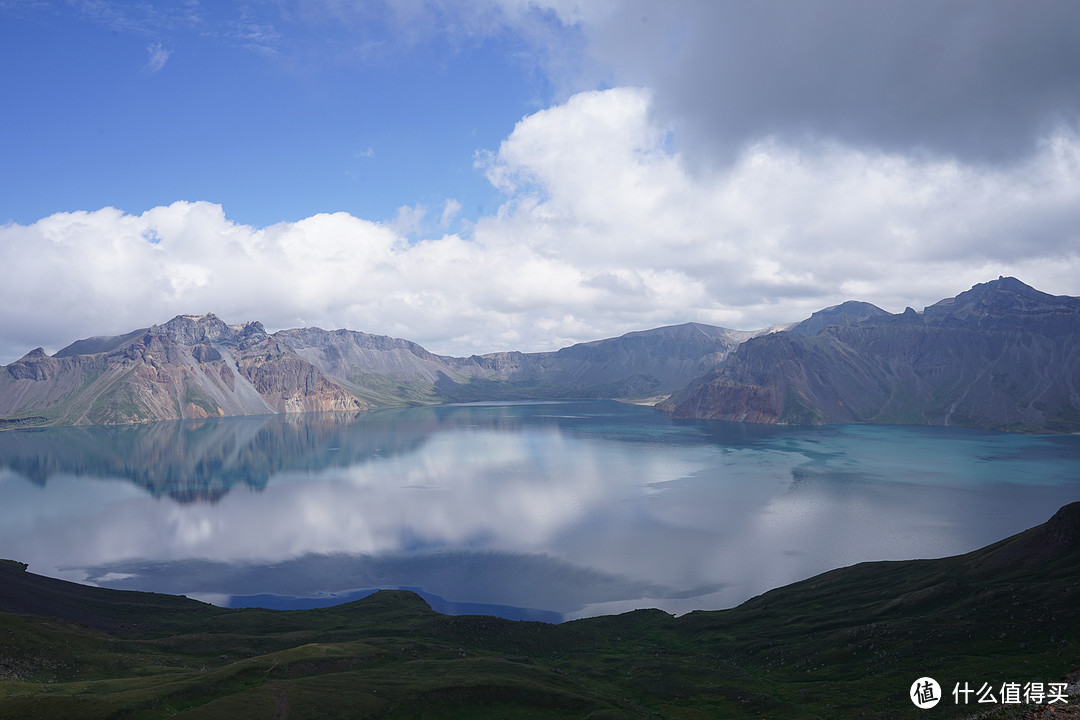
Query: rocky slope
[[198, 366], [192, 366], [652, 362], [388, 371], [1001, 355]]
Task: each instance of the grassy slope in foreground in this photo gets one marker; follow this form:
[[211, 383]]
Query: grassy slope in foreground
[[847, 643]]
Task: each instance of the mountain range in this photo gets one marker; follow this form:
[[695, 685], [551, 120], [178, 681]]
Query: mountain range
[[198, 366], [1001, 355]]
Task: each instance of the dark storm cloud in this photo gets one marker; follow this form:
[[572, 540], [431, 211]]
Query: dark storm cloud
[[980, 80]]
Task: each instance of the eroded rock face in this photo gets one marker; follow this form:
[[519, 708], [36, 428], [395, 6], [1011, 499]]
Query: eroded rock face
[[189, 367], [199, 366], [205, 353], [35, 365], [1000, 356], [289, 383]]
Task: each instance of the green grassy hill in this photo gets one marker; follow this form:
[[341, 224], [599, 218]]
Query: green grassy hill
[[848, 643]]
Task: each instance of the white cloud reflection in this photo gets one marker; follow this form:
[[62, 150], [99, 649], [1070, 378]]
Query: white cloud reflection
[[543, 515]]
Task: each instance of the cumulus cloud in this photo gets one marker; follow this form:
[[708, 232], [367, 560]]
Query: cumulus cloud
[[980, 81], [594, 182], [409, 219], [604, 230]]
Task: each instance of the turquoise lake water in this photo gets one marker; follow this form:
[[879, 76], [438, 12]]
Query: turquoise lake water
[[539, 510]]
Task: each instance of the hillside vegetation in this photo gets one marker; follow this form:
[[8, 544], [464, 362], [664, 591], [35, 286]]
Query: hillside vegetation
[[848, 643]]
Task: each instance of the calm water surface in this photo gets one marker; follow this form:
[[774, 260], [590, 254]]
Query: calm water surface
[[540, 510]]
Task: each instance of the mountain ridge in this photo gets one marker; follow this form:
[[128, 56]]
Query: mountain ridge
[[1000, 356], [199, 366]]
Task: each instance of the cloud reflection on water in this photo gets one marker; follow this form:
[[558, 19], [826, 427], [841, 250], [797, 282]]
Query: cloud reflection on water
[[594, 508]]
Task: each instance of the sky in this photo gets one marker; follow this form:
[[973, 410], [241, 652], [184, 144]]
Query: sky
[[524, 174]]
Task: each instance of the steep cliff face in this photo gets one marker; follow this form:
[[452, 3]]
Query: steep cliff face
[[189, 367], [381, 370], [288, 383], [198, 366], [1001, 355]]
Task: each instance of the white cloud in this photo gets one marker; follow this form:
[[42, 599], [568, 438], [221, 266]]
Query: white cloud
[[977, 81], [158, 56], [409, 219], [450, 211], [594, 183], [603, 231]]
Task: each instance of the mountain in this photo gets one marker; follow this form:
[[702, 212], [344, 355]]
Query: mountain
[[844, 644], [386, 371], [199, 366], [846, 313], [199, 460], [192, 366], [651, 362], [1000, 356]]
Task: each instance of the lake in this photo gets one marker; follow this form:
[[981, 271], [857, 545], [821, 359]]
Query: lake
[[545, 510]]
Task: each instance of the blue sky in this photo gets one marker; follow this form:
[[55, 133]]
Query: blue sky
[[524, 174], [280, 120]]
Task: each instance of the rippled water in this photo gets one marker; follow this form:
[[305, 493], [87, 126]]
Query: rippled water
[[541, 510]]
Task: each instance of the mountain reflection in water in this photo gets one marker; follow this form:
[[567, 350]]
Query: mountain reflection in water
[[541, 510]]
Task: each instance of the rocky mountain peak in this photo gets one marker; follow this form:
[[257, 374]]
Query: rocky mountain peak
[[250, 334], [250, 328], [191, 329], [999, 356], [30, 366], [195, 329], [845, 313], [1004, 296]]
